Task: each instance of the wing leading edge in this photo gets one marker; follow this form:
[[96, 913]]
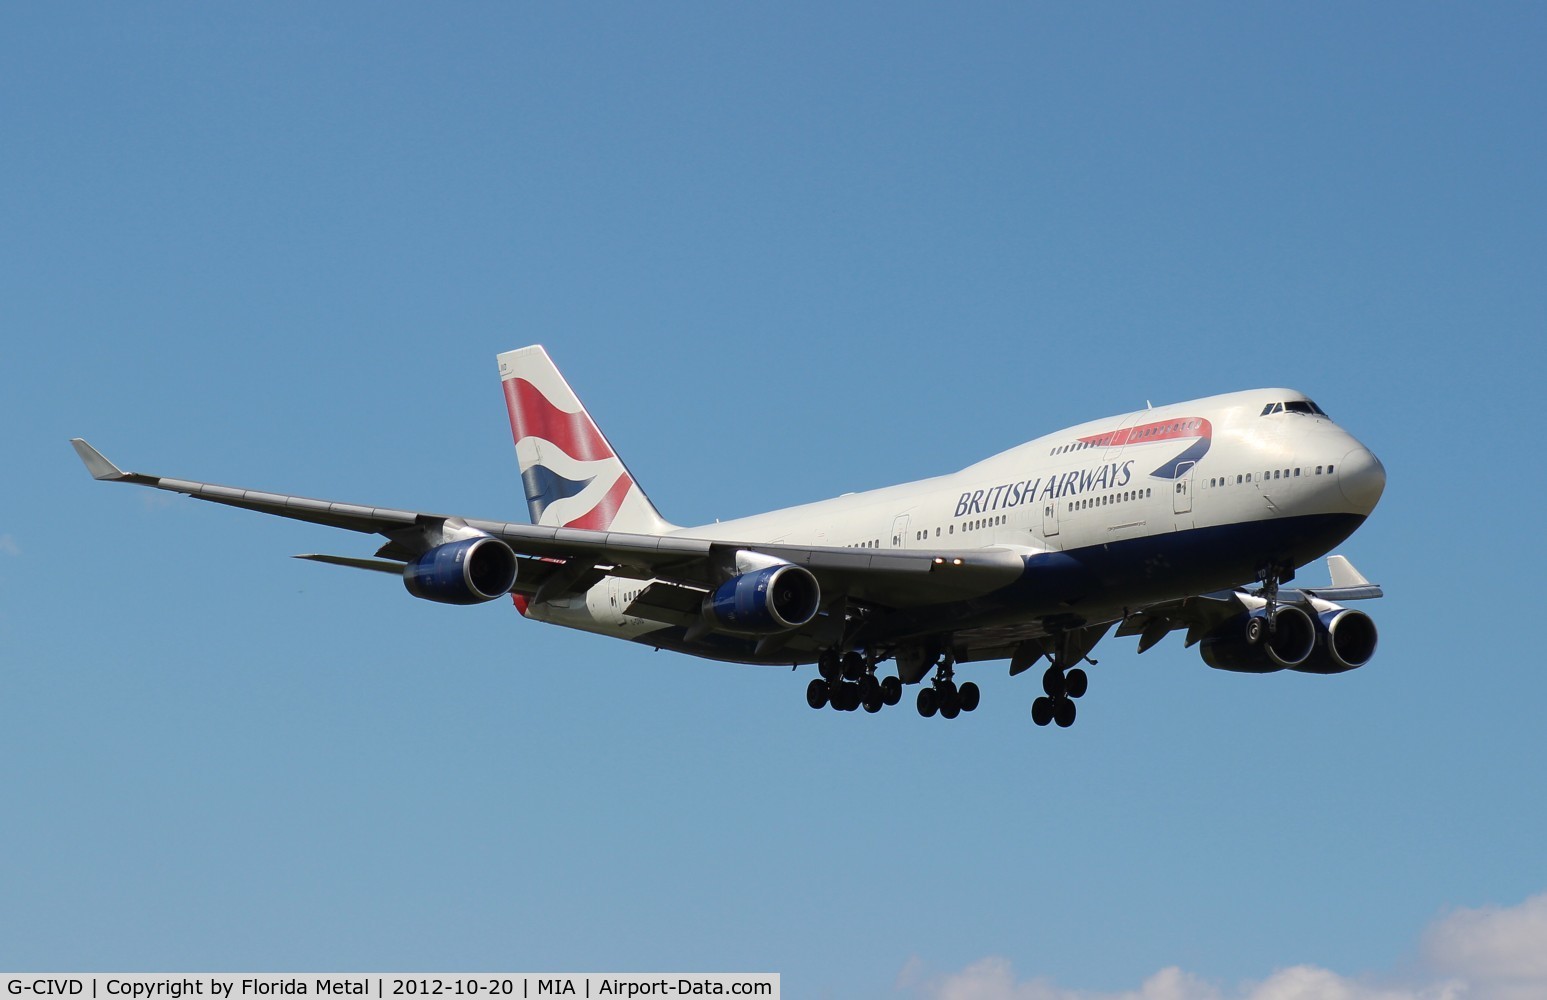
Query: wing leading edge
[[893, 578]]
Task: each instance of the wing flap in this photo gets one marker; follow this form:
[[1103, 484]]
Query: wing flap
[[669, 604], [379, 565]]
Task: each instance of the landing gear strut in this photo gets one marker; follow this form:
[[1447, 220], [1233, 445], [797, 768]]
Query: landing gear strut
[[849, 682], [1063, 683], [1259, 629], [944, 696]]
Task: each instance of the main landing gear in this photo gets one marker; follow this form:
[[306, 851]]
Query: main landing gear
[[849, 681], [944, 696], [1062, 689], [1064, 682]]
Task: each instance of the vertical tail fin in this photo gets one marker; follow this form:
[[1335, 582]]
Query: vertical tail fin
[[572, 476]]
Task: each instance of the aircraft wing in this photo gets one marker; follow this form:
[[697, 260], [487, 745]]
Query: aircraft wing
[[894, 578]]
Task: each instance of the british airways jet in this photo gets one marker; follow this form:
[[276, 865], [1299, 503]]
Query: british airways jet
[[1189, 517]]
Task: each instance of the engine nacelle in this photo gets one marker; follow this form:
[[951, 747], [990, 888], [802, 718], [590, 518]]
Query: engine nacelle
[[764, 602], [1247, 645], [1348, 640], [471, 571]]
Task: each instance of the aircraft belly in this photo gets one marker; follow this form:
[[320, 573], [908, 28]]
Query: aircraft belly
[[1097, 583]]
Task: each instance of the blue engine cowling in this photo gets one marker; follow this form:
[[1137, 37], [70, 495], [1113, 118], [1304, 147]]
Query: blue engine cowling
[[766, 602], [1244, 643], [467, 572]]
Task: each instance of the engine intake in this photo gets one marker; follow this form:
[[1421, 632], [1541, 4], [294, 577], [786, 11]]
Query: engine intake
[[764, 602], [1348, 641], [471, 571], [1246, 644]]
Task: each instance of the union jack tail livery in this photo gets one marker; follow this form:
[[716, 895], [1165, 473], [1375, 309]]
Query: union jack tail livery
[[572, 476]]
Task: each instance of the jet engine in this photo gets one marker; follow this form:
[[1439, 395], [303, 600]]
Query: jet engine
[[1348, 640], [765, 602], [471, 571], [1248, 644]]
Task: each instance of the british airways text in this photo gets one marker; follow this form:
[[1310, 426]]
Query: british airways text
[[1104, 477]]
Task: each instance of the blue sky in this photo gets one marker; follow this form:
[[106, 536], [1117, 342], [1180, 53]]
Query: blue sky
[[782, 253]]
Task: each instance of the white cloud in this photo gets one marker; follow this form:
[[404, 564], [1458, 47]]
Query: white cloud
[[8, 546], [1500, 951], [1492, 953]]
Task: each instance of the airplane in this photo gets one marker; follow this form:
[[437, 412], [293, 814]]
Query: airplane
[[1190, 516]]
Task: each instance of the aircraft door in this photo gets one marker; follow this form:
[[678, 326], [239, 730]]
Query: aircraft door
[[900, 532], [1181, 497], [1049, 517]]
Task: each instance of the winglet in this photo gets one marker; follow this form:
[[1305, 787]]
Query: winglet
[[96, 463], [1348, 584], [1344, 574]]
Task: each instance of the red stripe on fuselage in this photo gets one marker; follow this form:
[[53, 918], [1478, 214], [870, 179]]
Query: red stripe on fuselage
[[1163, 430], [532, 415]]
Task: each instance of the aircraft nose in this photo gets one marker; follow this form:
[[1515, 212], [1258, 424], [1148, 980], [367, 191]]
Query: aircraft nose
[[1362, 479]]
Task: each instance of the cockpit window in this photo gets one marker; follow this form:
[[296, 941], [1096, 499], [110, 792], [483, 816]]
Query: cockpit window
[[1294, 406]]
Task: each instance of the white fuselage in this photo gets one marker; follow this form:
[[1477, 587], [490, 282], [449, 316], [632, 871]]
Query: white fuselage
[[1198, 471]]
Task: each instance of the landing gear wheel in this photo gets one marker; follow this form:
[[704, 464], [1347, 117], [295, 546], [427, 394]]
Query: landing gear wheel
[[969, 696], [1256, 629], [1063, 713], [816, 693], [873, 701], [869, 688], [1042, 711], [947, 691], [827, 664], [1053, 682], [929, 702], [1076, 683], [950, 706], [891, 690], [853, 665]]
